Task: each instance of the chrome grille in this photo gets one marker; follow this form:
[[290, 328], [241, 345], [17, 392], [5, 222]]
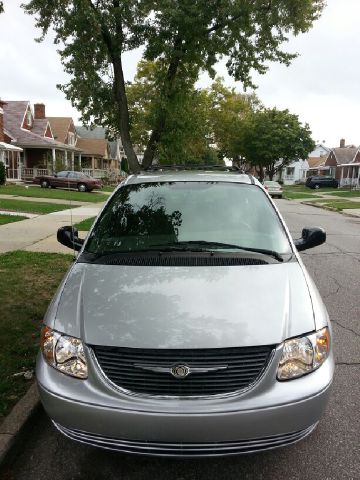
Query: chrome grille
[[131, 369]]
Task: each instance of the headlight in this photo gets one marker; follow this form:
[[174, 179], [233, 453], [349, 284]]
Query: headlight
[[304, 354], [63, 352]]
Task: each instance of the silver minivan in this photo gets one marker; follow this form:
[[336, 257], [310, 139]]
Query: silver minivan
[[188, 324]]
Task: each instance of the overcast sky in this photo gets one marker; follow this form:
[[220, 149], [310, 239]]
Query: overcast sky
[[322, 85]]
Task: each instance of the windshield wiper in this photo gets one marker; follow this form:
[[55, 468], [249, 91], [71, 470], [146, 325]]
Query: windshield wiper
[[219, 245]]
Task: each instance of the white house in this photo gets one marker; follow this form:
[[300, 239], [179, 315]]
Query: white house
[[294, 172], [320, 151], [297, 170]]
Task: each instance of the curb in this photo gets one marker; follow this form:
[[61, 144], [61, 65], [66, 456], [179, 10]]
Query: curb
[[14, 423], [330, 209]]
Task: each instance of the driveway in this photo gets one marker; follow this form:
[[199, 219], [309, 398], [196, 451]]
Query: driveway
[[331, 453]]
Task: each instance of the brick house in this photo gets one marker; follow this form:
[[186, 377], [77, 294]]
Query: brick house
[[100, 155], [343, 163], [31, 131], [316, 166], [9, 154]]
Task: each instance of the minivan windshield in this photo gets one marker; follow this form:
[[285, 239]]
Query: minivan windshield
[[187, 215]]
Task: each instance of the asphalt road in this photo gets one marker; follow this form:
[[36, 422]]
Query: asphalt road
[[332, 452]]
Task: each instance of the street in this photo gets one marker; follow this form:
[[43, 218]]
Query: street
[[332, 452]]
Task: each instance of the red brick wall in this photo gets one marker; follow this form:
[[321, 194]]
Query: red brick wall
[[39, 110], [48, 132], [7, 139], [331, 162]]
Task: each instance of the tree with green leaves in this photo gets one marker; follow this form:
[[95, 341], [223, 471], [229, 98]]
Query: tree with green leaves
[[187, 134], [271, 139], [94, 34], [1, 7], [229, 110]]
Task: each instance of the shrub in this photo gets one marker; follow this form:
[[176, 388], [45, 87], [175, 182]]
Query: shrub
[[124, 165]]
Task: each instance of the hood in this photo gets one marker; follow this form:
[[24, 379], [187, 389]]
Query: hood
[[184, 307]]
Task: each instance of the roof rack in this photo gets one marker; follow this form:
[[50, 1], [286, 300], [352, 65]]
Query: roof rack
[[219, 168]]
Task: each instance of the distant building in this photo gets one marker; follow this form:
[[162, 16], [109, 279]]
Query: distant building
[[31, 131]]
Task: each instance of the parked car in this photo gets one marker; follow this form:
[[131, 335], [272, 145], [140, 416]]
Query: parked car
[[321, 181], [156, 341], [274, 188], [69, 179]]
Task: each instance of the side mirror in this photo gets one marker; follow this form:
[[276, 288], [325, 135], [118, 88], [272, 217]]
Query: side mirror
[[68, 236], [310, 238]]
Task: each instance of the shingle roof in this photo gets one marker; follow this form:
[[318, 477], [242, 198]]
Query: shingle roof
[[93, 146], [315, 162], [344, 155], [60, 127], [39, 126], [97, 132], [14, 112]]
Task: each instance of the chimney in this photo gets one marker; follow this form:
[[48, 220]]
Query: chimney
[[342, 143], [39, 110], [2, 135]]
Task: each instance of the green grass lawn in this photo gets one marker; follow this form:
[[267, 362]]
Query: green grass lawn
[[342, 204], [298, 195], [346, 194], [10, 219], [85, 225], [108, 189], [40, 208], [337, 204], [304, 189], [27, 283], [34, 191]]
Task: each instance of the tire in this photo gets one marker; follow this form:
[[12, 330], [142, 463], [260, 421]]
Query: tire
[[44, 184], [82, 187], [317, 186]]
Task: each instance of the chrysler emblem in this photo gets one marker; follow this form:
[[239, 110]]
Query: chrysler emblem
[[180, 371]]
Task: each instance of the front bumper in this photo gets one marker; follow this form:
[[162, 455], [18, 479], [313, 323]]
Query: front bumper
[[269, 415], [167, 449]]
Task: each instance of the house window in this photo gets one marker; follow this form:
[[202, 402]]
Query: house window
[[71, 138], [29, 118], [290, 171]]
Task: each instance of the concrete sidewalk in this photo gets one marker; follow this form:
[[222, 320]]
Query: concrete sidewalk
[[39, 234]]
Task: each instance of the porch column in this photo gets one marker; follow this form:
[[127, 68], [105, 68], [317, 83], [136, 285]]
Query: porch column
[[72, 160], [358, 176], [93, 163], [66, 159], [19, 166], [80, 162], [341, 175], [53, 160]]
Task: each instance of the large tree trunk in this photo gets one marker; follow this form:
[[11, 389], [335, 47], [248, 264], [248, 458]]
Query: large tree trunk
[[123, 116], [160, 121], [114, 46], [260, 172]]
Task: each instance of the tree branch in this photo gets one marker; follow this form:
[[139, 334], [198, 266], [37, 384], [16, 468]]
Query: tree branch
[[119, 84]]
